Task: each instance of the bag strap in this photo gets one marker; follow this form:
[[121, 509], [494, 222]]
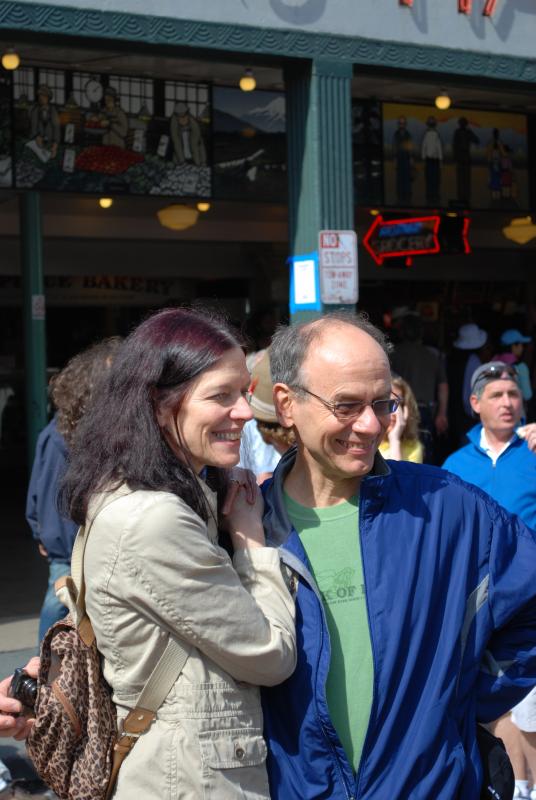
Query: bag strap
[[166, 672], [160, 682]]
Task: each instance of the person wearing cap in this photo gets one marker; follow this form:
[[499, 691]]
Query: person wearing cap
[[114, 120], [498, 459], [515, 342], [264, 440]]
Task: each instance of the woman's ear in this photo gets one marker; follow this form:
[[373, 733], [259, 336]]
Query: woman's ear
[[162, 414], [283, 402]]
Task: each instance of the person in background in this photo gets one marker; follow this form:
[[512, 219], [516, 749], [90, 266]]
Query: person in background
[[470, 349], [515, 342], [401, 442], [425, 373], [70, 391], [264, 440], [500, 461]]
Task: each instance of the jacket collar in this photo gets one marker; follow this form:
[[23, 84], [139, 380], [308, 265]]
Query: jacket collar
[[474, 437], [276, 521]]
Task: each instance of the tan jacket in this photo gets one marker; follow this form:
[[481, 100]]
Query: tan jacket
[[153, 568]]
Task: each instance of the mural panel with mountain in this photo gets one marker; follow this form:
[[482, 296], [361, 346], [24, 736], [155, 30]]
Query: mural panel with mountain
[[249, 145]]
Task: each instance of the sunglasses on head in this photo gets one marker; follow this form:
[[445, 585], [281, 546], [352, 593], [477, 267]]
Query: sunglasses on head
[[497, 372]]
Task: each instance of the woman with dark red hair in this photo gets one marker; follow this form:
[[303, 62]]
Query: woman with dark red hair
[[150, 472]]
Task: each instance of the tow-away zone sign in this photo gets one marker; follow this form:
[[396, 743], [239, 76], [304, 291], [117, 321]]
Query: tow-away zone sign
[[337, 255]]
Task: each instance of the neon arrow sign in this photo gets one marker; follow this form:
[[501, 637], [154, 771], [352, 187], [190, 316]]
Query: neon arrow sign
[[402, 237]]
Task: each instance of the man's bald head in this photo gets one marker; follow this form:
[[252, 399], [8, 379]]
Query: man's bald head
[[291, 344]]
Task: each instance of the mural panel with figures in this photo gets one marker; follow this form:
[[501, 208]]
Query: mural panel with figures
[[82, 132], [367, 152], [249, 144], [455, 158]]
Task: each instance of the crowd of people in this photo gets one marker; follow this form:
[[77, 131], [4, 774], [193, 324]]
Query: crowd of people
[[351, 625]]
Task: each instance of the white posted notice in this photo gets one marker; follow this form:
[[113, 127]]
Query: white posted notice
[[338, 267]]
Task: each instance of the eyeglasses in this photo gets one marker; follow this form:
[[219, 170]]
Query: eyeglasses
[[496, 372], [352, 410]]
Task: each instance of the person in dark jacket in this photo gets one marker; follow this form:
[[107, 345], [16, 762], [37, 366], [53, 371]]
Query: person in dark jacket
[[70, 391], [415, 601]]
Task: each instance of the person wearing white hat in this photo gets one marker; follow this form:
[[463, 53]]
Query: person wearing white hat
[[470, 341]]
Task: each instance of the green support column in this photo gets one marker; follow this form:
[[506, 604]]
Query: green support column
[[319, 134], [34, 318]]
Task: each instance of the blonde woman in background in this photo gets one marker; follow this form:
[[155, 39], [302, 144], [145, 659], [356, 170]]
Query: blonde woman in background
[[401, 441]]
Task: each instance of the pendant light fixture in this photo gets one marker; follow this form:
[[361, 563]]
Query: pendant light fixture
[[247, 82], [10, 59], [443, 101]]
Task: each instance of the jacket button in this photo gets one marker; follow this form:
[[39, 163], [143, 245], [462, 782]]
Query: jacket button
[[239, 752]]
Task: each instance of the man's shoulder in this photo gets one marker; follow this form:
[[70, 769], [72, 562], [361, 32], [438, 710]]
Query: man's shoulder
[[460, 457], [433, 484]]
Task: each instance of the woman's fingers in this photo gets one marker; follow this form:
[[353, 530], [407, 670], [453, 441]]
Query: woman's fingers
[[251, 487], [230, 497]]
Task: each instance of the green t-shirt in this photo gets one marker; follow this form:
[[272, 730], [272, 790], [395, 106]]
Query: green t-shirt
[[330, 537]]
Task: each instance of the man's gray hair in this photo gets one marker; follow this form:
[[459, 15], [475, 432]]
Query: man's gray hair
[[291, 343]]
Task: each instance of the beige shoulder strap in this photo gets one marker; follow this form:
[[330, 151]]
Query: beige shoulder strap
[[72, 592], [171, 662]]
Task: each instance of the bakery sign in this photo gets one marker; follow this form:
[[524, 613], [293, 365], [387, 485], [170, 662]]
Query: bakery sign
[[464, 6]]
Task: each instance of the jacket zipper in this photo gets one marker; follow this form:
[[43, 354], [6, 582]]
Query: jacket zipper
[[374, 692], [349, 796]]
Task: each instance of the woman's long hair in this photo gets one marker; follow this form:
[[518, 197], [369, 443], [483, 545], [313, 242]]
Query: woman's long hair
[[118, 440], [404, 392]]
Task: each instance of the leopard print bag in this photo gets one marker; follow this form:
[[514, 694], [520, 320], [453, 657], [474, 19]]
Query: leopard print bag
[[74, 743], [72, 740]]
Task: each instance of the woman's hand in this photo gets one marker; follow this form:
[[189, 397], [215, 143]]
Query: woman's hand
[[396, 431], [12, 726], [242, 510], [399, 418]]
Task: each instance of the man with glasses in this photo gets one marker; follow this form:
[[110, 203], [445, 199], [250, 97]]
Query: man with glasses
[[499, 461], [416, 614]]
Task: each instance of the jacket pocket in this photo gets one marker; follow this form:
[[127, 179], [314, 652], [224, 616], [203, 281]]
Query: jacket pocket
[[234, 764]]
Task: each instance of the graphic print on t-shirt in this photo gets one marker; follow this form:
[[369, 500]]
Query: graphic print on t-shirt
[[339, 586]]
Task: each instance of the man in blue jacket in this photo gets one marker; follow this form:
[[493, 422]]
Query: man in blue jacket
[[499, 461], [416, 608], [496, 458]]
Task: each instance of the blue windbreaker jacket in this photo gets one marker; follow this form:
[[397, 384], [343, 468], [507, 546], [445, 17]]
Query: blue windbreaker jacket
[[450, 586], [511, 481]]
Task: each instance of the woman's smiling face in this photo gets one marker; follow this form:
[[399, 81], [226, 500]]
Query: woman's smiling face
[[211, 417]]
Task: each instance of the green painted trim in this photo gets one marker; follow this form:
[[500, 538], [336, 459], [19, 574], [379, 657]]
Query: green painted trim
[[34, 328], [46, 19]]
